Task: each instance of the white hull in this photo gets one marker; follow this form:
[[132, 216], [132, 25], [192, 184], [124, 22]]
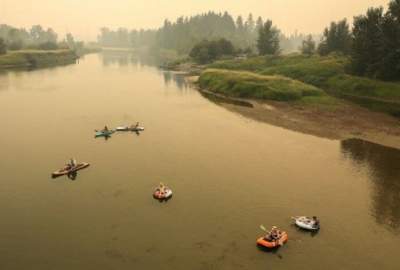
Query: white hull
[[306, 223]]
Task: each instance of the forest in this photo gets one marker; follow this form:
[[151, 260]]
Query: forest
[[35, 38], [372, 43], [183, 34]]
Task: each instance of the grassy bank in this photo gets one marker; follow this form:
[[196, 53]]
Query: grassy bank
[[36, 58], [327, 73], [243, 84]]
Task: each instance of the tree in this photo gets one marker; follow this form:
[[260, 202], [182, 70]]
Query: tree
[[250, 24], [14, 40], [367, 48], [208, 51], [308, 46], [390, 67], [336, 38], [268, 39], [376, 43], [225, 47], [37, 33], [50, 36], [69, 38], [259, 24], [3, 46]]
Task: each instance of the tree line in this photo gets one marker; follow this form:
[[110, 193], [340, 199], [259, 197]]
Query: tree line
[[372, 44], [37, 37], [183, 34]]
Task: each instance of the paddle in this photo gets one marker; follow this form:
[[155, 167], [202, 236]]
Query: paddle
[[263, 228]]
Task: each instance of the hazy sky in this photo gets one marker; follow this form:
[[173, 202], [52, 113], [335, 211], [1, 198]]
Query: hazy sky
[[84, 17]]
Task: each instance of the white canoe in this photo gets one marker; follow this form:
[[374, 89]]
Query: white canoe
[[126, 128], [306, 223]]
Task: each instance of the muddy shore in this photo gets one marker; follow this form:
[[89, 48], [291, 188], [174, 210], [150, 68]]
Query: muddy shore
[[344, 122]]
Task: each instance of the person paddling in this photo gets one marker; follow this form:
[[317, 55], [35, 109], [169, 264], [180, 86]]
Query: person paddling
[[315, 221], [73, 162]]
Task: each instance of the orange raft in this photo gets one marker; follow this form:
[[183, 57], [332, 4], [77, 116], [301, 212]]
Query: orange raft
[[273, 244]]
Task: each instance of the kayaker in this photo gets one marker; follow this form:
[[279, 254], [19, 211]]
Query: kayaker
[[72, 162], [275, 233], [105, 128], [315, 221], [162, 187]]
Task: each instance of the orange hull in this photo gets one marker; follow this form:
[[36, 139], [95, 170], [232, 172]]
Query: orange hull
[[262, 242]]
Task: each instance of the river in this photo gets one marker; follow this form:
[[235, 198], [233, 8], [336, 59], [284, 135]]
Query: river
[[229, 175]]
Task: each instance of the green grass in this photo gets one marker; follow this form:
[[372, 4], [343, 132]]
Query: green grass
[[327, 73], [243, 84], [36, 58]]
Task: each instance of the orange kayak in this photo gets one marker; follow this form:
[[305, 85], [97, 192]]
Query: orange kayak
[[273, 244]]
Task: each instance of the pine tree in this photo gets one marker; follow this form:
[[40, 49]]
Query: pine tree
[[367, 48], [308, 46], [390, 67], [268, 39], [336, 38]]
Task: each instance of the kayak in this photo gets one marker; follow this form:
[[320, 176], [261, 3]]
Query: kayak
[[162, 195], [137, 129], [103, 133], [65, 171], [306, 223], [275, 243], [126, 128]]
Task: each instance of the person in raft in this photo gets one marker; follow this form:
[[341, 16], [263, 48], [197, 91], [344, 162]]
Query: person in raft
[[315, 221], [161, 188], [273, 235], [105, 128], [135, 126], [71, 164]]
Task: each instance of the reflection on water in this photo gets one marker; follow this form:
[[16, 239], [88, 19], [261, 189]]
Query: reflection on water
[[122, 58], [178, 79], [225, 100], [384, 167], [109, 58]]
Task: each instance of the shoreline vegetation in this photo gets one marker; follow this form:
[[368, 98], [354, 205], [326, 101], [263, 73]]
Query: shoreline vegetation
[[42, 58], [308, 94], [37, 58]]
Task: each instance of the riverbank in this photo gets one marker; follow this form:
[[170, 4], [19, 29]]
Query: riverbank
[[37, 58], [328, 73], [335, 119]]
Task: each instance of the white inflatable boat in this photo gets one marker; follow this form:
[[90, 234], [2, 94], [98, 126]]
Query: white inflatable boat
[[306, 223]]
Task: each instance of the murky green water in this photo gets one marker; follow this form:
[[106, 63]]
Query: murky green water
[[229, 175]]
